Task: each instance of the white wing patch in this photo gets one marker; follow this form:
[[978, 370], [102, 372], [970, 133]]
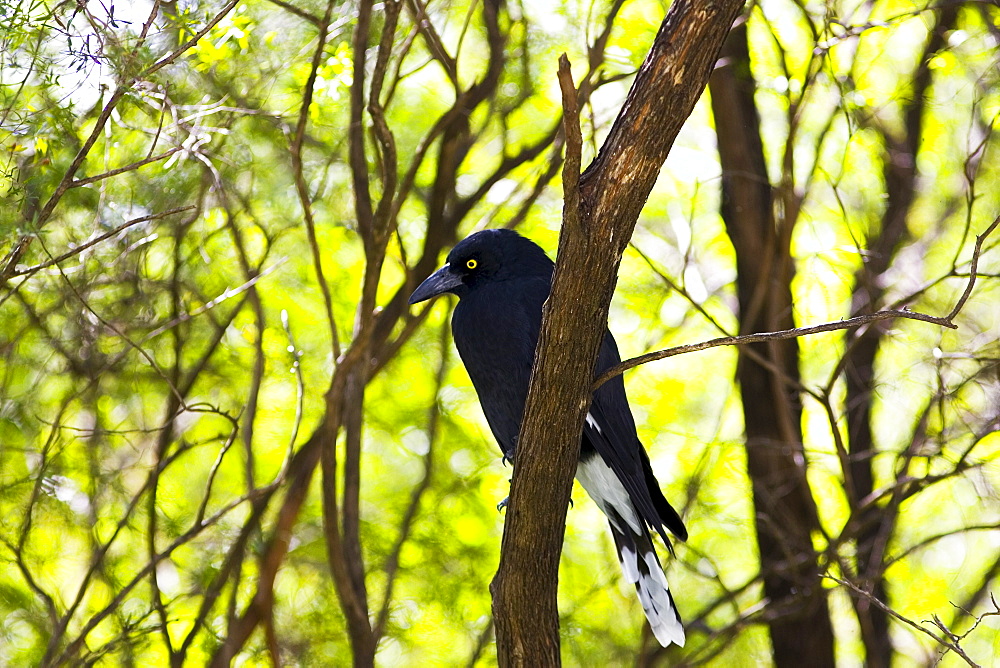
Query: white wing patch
[[607, 490], [593, 423]]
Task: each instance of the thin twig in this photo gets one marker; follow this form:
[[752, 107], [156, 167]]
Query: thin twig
[[977, 251], [97, 240], [76, 183], [953, 646], [745, 339]]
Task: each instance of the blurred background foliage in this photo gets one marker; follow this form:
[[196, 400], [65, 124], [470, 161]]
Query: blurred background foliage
[[166, 345]]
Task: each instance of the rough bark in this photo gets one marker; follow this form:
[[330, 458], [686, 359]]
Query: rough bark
[[596, 230], [785, 514]]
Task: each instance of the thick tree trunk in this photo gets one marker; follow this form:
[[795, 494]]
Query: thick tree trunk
[[785, 514], [596, 229]]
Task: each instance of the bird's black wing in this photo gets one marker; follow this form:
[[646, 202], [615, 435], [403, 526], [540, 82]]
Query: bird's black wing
[[495, 331], [610, 430]]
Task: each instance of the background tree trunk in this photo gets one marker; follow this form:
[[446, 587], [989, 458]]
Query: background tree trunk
[[875, 523], [785, 513]]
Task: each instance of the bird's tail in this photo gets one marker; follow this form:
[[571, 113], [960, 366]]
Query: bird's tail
[[642, 568]]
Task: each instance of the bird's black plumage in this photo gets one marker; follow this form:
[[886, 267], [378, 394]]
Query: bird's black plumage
[[502, 279]]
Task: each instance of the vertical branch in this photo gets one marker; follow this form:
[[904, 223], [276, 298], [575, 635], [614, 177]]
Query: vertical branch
[[301, 188], [357, 158], [342, 540], [409, 517], [374, 227]]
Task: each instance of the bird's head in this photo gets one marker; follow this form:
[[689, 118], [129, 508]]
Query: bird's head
[[488, 256]]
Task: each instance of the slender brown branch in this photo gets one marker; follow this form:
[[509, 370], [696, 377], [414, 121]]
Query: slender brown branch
[[434, 42], [953, 646], [745, 339], [76, 183], [96, 240], [850, 323], [302, 189], [973, 265], [383, 216]]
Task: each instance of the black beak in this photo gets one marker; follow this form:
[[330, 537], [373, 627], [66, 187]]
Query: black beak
[[441, 281]]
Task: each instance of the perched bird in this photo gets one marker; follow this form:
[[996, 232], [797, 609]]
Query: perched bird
[[502, 279]]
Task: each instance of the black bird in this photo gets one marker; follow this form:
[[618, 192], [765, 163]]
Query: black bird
[[502, 279]]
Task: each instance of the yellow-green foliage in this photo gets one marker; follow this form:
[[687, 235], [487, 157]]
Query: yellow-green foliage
[[96, 352]]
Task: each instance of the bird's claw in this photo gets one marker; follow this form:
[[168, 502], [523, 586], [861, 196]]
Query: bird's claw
[[503, 504]]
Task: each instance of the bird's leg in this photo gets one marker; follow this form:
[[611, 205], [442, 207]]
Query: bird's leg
[[504, 460], [503, 504], [508, 456]]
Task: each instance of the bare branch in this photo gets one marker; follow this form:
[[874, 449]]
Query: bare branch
[[946, 643], [850, 323], [745, 339], [302, 189], [76, 183], [96, 240], [974, 264]]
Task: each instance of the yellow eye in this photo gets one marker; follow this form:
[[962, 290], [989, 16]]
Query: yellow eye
[[471, 264]]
